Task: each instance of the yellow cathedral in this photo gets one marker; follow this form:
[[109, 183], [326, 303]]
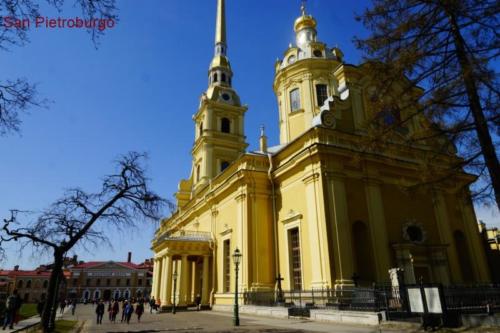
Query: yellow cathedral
[[321, 209]]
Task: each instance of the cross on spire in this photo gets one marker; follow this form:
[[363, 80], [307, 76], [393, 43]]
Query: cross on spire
[[303, 7]]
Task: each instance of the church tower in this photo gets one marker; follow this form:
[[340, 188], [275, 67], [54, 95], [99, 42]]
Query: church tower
[[306, 76], [219, 122]]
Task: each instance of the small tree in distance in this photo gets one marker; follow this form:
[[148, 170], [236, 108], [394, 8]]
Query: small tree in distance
[[124, 199]]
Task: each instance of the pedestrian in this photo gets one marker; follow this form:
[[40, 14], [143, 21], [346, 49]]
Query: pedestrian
[[197, 301], [110, 311], [124, 306], [73, 306], [129, 310], [62, 305], [152, 304], [139, 310], [10, 310], [99, 310], [40, 305], [116, 309]]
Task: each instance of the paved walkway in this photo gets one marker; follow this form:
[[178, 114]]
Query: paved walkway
[[211, 321], [24, 324]]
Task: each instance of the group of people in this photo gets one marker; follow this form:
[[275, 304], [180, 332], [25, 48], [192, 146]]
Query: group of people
[[128, 308], [67, 302], [12, 306]]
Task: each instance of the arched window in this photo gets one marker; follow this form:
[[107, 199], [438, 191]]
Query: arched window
[[223, 165], [20, 284], [223, 77], [363, 263], [98, 282], [463, 253], [28, 284], [215, 77], [225, 125], [295, 99]]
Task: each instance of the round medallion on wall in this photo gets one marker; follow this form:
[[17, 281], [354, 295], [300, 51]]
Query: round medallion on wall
[[328, 119], [414, 232], [226, 97]]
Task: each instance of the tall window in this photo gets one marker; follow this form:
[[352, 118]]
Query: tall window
[[295, 266], [139, 282], [295, 99], [223, 165], [223, 77], [128, 282], [227, 266], [118, 281], [225, 125], [215, 77], [20, 284], [28, 284], [321, 93], [98, 282], [88, 282], [201, 129], [108, 282], [197, 173]]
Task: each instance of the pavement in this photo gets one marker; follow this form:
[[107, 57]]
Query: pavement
[[211, 321], [32, 321]]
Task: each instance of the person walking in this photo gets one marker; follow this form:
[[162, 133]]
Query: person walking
[[10, 310], [40, 305], [152, 304], [129, 310], [99, 310], [110, 311], [124, 306], [197, 301], [116, 309], [139, 310], [73, 306], [62, 305]]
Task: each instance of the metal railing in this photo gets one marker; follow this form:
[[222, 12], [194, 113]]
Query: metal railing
[[392, 300]]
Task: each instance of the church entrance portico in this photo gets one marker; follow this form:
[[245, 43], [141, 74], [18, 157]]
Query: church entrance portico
[[186, 255]]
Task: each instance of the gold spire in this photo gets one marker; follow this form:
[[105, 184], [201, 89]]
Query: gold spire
[[220, 32]]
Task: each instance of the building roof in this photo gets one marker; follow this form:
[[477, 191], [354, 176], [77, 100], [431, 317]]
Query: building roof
[[29, 273], [94, 264]]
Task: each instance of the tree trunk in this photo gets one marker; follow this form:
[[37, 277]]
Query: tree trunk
[[483, 133], [50, 308]]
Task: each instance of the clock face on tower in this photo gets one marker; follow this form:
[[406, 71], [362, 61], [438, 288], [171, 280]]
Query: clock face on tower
[[226, 97]]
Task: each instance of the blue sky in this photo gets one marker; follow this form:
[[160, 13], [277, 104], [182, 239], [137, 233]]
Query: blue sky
[[138, 91]]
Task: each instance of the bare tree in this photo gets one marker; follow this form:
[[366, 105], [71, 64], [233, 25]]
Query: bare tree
[[18, 95], [124, 199], [449, 48]]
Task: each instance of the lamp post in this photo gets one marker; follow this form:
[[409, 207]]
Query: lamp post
[[236, 260], [174, 275]]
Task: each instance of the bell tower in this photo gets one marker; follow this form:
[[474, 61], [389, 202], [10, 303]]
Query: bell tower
[[305, 78], [219, 121]]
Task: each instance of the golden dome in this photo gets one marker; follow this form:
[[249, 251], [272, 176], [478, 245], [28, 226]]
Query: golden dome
[[220, 61], [304, 21]]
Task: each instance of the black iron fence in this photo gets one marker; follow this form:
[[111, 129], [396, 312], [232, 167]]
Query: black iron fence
[[392, 300]]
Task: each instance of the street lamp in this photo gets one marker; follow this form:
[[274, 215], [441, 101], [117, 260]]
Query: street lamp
[[236, 260], [174, 275]]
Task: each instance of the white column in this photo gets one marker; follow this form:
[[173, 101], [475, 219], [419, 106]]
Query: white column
[[168, 279]]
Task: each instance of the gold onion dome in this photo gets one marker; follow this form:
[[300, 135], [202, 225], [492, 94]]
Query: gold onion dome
[[304, 21]]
